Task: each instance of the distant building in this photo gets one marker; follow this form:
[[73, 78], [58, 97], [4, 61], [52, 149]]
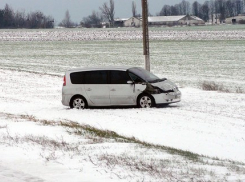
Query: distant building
[[119, 22], [165, 21], [240, 19], [175, 20], [216, 18], [133, 22]]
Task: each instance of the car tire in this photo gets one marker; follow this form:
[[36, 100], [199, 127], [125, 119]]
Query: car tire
[[78, 102], [145, 101]]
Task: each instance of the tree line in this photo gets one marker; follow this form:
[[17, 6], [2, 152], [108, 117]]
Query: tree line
[[17, 19], [213, 9]]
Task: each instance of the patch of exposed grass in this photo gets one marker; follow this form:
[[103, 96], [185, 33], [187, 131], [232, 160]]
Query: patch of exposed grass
[[79, 129], [3, 126], [153, 167], [239, 90], [83, 130], [212, 86], [43, 141], [180, 166]]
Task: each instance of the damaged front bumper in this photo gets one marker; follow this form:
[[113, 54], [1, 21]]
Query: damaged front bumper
[[167, 98]]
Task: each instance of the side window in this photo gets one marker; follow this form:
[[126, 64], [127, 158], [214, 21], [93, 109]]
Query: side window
[[96, 77], [119, 77], [77, 78], [135, 78]]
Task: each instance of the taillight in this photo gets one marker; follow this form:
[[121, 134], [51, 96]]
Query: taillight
[[64, 83]]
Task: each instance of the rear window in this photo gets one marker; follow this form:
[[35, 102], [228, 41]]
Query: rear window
[[77, 78], [89, 77]]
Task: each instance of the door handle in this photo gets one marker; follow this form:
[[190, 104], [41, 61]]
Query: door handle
[[113, 89], [89, 89]]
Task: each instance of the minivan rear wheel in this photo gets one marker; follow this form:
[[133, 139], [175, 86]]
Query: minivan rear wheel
[[145, 101], [78, 103]]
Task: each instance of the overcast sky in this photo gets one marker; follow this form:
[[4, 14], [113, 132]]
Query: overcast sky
[[82, 8]]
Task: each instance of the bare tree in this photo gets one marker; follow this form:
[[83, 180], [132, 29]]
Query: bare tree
[[93, 20], [175, 10], [196, 8], [108, 12], [220, 9], [184, 7], [205, 11], [166, 11], [243, 6], [8, 17], [238, 6], [134, 11], [211, 7], [20, 19], [35, 20], [66, 22], [1, 18], [230, 8]]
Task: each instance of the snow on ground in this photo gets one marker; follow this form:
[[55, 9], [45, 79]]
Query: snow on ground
[[25, 162], [188, 56], [48, 153], [176, 33], [208, 123]]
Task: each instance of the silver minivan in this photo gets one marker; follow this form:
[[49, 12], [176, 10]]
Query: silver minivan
[[116, 86]]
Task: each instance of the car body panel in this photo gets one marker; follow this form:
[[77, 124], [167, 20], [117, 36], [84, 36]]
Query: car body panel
[[117, 94], [121, 94], [98, 94]]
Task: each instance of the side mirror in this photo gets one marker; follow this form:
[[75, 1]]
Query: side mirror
[[130, 82]]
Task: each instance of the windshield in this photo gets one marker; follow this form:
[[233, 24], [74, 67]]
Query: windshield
[[144, 74]]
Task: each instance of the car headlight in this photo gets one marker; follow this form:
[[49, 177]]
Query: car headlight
[[176, 89]]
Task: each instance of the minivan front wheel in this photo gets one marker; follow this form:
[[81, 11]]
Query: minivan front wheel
[[78, 103], [145, 101]]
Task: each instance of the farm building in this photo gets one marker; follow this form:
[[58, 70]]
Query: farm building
[[133, 22], [165, 20], [119, 22], [240, 19], [175, 20]]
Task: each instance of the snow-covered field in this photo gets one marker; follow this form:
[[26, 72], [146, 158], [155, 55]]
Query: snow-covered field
[[41, 140], [175, 33], [189, 59]]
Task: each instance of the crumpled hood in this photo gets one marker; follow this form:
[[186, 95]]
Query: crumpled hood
[[165, 85]]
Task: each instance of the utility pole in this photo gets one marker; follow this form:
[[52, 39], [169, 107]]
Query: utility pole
[[146, 47]]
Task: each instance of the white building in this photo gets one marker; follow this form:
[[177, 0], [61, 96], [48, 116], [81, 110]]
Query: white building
[[165, 21], [133, 22], [240, 19]]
